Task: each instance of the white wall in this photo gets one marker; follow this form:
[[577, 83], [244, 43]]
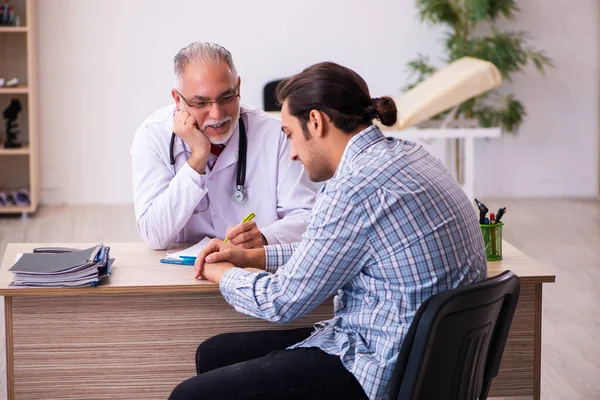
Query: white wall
[[557, 150], [104, 65]]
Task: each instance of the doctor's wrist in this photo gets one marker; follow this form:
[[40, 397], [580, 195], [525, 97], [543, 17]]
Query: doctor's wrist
[[198, 163]]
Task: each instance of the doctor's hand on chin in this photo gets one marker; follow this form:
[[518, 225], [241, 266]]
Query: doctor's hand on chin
[[186, 127], [218, 257]]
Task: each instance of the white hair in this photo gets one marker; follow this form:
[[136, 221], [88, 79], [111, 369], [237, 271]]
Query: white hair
[[201, 52]]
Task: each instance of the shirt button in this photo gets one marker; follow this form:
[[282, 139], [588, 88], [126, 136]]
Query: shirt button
[[214, 216], [211, 178]]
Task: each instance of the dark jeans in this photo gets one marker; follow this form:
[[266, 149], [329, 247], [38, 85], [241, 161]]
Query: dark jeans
[[255, 365]]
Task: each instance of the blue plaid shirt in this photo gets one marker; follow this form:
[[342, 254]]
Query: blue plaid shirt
[[391, 228]]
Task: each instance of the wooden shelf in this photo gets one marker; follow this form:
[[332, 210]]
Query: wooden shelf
[[15, 209], [22, 151], [14, 90], [15, 29], [18, 57]]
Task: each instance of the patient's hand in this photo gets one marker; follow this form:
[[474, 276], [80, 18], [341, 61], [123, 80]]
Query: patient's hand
[[213, 272], [217, 251]]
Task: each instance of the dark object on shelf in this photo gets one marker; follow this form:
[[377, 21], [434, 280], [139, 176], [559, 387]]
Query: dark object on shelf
[[10, 114], [7, 15], [269, 101]]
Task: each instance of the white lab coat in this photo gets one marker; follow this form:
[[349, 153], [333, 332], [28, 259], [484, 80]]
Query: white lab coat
[[184, 206]]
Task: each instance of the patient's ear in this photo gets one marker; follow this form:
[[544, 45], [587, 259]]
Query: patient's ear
[[316, 123]]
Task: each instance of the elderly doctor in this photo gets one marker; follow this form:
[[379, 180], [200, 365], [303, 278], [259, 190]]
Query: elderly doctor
[[201, 165]]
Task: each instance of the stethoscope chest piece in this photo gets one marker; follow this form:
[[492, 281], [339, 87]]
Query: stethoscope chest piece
[[239, 194]]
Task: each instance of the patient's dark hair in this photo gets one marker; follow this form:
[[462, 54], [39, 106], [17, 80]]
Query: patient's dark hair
[[338, 92]]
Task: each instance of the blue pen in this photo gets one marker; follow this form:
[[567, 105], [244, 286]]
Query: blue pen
[[179, 262], [486, 221]]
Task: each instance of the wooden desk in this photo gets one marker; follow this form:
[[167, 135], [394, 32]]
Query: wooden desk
[[135, 336]]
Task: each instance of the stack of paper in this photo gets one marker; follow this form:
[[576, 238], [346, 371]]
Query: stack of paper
[[187, 256], [70, 269]]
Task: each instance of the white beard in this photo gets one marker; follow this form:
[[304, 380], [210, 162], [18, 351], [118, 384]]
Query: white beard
[[222, 139]]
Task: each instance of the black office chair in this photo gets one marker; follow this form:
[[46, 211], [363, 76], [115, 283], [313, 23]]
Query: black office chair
[[454, 345], [269, 101]]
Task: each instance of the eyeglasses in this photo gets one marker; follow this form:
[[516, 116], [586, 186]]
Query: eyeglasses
[[207, 104]]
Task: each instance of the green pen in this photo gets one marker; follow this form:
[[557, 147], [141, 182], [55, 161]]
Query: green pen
[[247, 218]]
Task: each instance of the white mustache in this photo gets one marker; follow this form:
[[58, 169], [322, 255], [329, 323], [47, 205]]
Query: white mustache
[[214, 122]]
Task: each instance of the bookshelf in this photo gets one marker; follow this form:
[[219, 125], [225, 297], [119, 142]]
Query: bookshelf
[[19, 167]]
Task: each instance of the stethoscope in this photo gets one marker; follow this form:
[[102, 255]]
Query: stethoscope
[[239, 192]]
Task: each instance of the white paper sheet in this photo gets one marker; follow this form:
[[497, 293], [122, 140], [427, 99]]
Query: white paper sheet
[[190, 251]]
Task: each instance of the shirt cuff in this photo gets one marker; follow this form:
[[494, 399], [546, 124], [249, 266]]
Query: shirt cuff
[[278, 255], [271, 239], [230, 282], [197, 178]]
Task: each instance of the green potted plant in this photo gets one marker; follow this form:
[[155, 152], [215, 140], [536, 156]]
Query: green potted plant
[[472, 32]]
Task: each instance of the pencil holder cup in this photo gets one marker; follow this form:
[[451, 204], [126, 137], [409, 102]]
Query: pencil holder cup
[[492, 238]]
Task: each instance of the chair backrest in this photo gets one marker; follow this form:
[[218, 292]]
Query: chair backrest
[[454, 345], [269, 101]]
